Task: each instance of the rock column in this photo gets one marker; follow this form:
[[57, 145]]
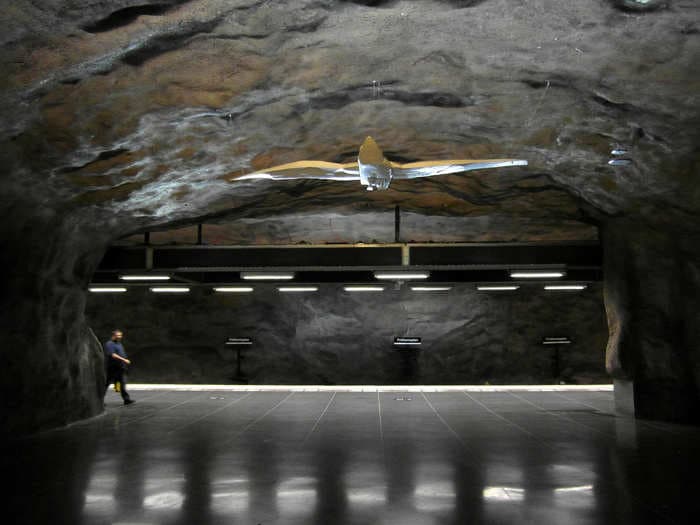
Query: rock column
[[52, 369], [652, 300]]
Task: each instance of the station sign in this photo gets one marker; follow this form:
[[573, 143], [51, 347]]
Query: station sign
[[239, 341], [407, 341]]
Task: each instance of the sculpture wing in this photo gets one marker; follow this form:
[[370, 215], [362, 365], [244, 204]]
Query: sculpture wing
[[414, 170], [306, 169]]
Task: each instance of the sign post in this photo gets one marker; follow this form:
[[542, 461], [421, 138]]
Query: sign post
[[556, 343], [239, 343]]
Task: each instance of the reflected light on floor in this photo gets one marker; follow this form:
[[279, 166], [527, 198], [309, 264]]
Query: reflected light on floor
[[369, 496], [169, 499], [434, 496], [582, 488], [296, 495], [503, 493], [231, 501]]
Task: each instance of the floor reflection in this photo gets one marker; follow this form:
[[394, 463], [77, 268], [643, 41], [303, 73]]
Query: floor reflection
[[385, 459]]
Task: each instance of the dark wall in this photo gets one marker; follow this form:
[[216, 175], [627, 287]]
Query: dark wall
[[52, 369], [334, 337]]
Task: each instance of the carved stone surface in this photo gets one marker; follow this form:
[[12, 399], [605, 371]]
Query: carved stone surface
[[336, 337], [53, 371], [120, 117]]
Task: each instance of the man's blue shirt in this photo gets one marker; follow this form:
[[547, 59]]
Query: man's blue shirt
[[112, 347]]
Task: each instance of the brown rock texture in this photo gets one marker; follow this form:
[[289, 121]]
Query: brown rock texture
[[121, 117]]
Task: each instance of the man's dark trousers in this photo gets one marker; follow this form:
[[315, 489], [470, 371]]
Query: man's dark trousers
[[115, 374]]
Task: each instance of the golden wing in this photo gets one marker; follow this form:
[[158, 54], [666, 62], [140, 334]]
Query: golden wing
[[306, 169], [414, 170]]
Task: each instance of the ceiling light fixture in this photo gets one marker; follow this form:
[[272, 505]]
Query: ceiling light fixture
[[144, 277], [233, 289], [106, 289], [261, 276], [170, 289], [536, 275], [360, 288], [641, 5], [618, 151], [565, 287], [490, 288], [293, 289], [405, 276], [619, 162], [430, 288]]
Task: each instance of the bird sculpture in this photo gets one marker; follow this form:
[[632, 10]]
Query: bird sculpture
[[372, 169]]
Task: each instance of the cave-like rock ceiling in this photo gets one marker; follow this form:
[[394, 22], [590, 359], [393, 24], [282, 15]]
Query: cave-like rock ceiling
[[141, 111]]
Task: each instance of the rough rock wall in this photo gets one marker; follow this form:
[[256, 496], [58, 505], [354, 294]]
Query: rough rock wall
[[371, 227], [652, 276], [52, 368], [335, 337], [148, 116]]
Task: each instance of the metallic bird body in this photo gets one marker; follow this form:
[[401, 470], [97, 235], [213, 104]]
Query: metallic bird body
[[373, 170]]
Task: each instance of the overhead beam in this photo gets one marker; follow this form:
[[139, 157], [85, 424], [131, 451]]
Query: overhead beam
[[446, 256]]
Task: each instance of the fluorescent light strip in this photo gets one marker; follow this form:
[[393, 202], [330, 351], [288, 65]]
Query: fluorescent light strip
[[497, 288], [431, 288], [565, 287], [536, 275], [292, 289], [102, 289], [619, 162], [170, 289], [363, 288], [401, 276], [233, 289], [144, 277], [556, 338], [374, 388], [251, 276], [556, 342]]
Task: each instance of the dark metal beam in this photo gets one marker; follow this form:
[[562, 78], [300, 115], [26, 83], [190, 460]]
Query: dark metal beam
[[339, 257], [397, 224]]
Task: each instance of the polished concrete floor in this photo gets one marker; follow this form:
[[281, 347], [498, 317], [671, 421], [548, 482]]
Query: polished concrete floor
[[403, 458]]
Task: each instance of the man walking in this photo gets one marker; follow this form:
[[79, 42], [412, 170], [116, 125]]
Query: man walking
[[116, 362]]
